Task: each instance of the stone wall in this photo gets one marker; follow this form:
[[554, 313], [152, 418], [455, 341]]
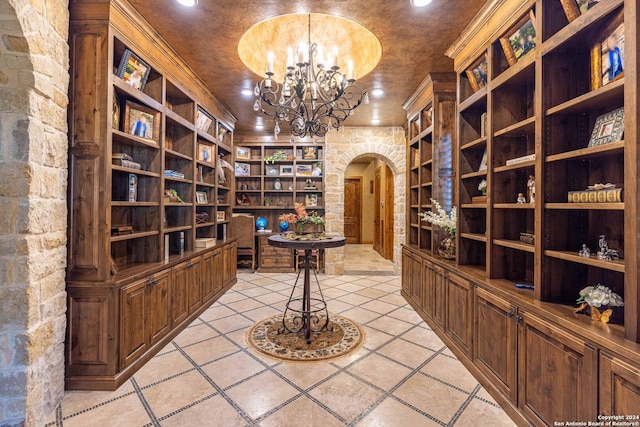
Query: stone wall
[[346, 145], [33, 210]]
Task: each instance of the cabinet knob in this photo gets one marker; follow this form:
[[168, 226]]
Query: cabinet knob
[[190, 265], [510, 314], [152, 282], [519, 319]]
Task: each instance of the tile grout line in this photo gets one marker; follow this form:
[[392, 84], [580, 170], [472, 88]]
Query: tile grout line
[[145, 404]]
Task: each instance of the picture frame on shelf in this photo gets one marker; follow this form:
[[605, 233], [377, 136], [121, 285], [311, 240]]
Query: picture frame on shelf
[[271, 170], [286, 170], [205, 153], [204, 120], [133, 70], [222, 132], [220, 215], [201, 197], [243, 169], [608, 128], [299, 153], [309, 153], [115, 115], [316, 169], [612, 50], [243, 153], [303, 170], [522, 41], [478, 75], [311, 200], [141, 121]]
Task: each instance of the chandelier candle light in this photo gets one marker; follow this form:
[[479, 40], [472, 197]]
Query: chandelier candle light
[[314, 96]]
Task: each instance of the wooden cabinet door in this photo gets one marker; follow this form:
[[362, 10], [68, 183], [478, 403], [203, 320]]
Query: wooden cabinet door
[[133, 331], [158, 308], [440, 278], [218, 270], [557, 373], [207, 276], [179, 304], [495, 342], [428, 286], [459, 312], [194, 284], [230, 253], [619, 387], [407, 258], [416, 280]]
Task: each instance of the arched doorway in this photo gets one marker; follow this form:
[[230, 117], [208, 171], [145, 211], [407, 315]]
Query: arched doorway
[[34, 83], [343, 147]]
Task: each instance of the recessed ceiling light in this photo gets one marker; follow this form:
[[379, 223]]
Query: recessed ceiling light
[[246, 92], [420, 3], [188, 3], [377, 92]]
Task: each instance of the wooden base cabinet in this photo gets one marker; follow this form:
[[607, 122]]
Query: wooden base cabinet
[[114, 329], [541, 367]]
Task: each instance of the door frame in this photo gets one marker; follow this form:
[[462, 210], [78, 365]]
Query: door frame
[[389, 203], [359, 179]]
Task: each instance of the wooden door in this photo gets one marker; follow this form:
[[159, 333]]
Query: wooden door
[[353, 209], [194, 284], [619, 386], [459, 312], [496, 342], [230, 263], [440, 278], [133, 333], [428, 286], [377, 221], [389, 203], [557, 373], [158, 309], [179, 304], [218, 267], [207, 274]]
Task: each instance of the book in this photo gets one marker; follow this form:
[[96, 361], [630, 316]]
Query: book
[[521, 159], [472, 81], [166, 246], [126, 163], [120, 230], [483, 125], [133, 187], [571, 9], [609, 195], [123, 156], [479, 199], [508, 51], [205, 242]]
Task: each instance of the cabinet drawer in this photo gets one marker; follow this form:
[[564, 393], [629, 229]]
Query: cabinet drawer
[[282, 261], [274, 252]]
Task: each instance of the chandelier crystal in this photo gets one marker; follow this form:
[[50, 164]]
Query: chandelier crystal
[[314, 95]]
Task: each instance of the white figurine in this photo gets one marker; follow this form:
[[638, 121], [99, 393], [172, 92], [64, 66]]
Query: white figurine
[[531, 185], [521, 200]]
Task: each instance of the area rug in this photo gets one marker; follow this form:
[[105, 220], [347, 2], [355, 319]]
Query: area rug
[[344, 336]]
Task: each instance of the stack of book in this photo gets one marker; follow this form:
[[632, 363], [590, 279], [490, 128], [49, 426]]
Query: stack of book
[[123, 159]]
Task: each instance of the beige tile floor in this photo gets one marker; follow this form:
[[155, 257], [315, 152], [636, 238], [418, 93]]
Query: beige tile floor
[[362, 259], [402, 376]]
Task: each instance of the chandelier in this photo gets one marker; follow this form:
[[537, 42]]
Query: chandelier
[[313, 96]]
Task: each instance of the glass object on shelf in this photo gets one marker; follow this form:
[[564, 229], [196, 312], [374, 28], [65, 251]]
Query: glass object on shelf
[[261, 223], [447, 248], [277, 185], [284, 226]]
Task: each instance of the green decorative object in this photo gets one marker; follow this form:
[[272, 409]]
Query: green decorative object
[[278, 156]]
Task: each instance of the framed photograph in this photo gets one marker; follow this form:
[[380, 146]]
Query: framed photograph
[[141, 121], [243, 169], [286, 170], [612, 49], [311, 200], [133, 70], [316, 169], [608, 128], [220, 215], [477, 76], [299, 154], [243, 153], [517, 45], [271, 170], [205, 153], [222, 132], [201, 197], [203, 120], [309, 153], [303, 170], [115, 117]]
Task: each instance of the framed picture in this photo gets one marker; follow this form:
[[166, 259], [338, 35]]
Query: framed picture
[[133, 70], [612, 49], [222, 132], [205, 153], [286, 170], [311, 200], [477, 76], [203, 120], [243, 153], [608, 128], [115, 118], [243, 169], [303, 170], [141, 121], [316, 169], [220, 215], [299, 154], [271, 170], [522, 41], [201, 197], [310, 153]]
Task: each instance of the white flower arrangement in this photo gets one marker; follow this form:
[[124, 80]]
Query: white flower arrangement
[[483, 187], [598, 296], [441, 219]]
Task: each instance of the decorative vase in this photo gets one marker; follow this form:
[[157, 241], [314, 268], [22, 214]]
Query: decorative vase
[[308, 228], [261, 223], [447, 248], [284, 226]]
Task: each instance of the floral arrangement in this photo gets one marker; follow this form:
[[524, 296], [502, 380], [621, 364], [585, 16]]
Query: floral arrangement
[[483, 187], [301, 218], [441, 219], [596, 297], [278, 156]]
